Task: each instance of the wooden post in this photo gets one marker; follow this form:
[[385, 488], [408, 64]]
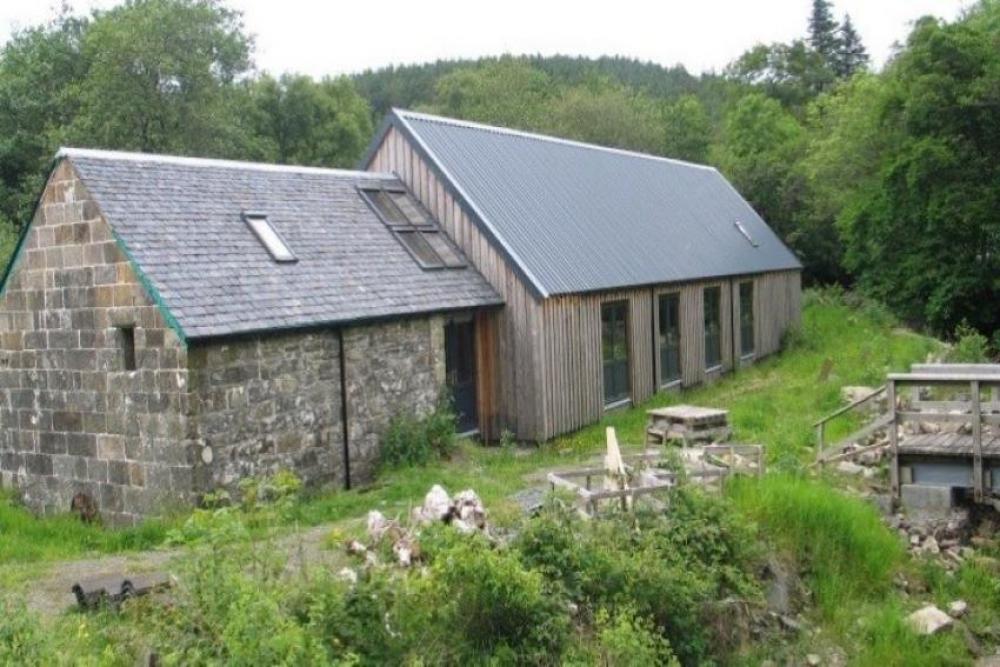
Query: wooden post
[[977, 443], [820, 434], [893, 438]]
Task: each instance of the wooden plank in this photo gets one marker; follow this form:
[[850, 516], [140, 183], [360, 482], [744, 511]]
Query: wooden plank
[[893, 439], [977, 443]]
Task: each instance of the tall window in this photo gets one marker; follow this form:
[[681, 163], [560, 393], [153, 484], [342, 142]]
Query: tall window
[[746, 318], [614, 351], [127, 335], [713, 326], [670, 338]]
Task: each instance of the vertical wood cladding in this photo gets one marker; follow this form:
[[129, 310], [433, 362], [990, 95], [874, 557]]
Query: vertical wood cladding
[[547, 357]]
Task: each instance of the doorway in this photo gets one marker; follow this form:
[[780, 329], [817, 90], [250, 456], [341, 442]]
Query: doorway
[[460, 370], [615, 353]]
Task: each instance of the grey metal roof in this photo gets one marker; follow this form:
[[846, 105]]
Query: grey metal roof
[[576, 217], [180, 221]]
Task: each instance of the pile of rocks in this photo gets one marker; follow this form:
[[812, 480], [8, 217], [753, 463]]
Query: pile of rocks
[[946, 538], [465, 512]]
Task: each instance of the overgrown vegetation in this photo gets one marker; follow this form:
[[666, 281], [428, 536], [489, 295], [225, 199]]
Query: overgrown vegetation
[[416, 441], [684, 585]]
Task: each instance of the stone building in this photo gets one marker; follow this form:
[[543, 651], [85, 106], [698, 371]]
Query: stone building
[[170, 325]]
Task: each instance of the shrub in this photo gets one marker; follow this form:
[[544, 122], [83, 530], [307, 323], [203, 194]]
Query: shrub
[[22, 641], [413, 441], [480, 602], [971, 347], [673, 568], [626, 640]]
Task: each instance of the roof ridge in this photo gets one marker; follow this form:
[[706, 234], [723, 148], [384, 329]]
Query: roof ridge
[[444, 120], [182, 160]]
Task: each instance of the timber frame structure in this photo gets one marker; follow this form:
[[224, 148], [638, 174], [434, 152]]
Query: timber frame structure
[[539, 358]]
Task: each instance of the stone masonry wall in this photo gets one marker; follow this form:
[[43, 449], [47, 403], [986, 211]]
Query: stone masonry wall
[[392, 368], [72, 419], [265, 403]]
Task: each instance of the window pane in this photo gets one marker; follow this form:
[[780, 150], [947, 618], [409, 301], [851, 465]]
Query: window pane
[[746, 318], [713, 338], [269, 238], [669, 338], [449, 256], [389, 212], [415, 243], [614, 350], [410, 209]]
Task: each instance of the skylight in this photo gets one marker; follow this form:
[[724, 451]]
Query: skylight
[[413, 228], [269, 237], [745, 233]]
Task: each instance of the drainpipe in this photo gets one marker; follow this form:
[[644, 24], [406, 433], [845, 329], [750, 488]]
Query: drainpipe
[[343, 409]]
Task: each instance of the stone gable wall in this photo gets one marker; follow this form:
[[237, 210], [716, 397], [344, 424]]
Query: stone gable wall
[[72, 419], [189, 418]]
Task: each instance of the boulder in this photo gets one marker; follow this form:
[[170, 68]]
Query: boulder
[[850, 394], [929, 620], [850, 468], [958, 608]]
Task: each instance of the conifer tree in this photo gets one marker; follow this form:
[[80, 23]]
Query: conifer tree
[[851, 53], [823, 31]]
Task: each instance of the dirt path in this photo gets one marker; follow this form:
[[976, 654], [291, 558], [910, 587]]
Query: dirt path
[[51, 593]]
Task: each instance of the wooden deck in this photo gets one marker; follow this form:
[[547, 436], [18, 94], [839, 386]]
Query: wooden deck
[[948, 444]]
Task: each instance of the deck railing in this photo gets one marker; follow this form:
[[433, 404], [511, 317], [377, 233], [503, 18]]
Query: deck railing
[[820, 425], [975, 412]]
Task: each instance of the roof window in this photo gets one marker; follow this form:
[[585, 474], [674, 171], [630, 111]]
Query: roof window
[[269, 237], [413, 227], [746, 234]]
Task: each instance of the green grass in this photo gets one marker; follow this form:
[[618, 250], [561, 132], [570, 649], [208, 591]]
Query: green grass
[[28, 539], [840, 541]]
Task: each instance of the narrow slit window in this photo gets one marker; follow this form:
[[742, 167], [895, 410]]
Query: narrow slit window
[[269, 237], [413, 228], [713, 326], [127, 335]]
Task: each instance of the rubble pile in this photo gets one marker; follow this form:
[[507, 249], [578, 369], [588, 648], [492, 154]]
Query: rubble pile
[[464, 512]]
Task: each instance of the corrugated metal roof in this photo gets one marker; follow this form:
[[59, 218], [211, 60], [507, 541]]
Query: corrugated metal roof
[[181, 221], [576, 217]]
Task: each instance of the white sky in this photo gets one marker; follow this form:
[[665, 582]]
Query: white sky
[[336, 36]]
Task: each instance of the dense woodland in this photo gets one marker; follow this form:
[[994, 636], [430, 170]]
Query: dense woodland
[[888, 180]]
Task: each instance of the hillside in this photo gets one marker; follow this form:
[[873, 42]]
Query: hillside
[[513, 594]]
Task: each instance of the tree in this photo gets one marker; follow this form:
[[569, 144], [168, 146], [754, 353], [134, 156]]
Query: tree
[[687, 130], [761, 143], [791, 73], [160, 78], [38, 67], [604, 113], [852, 56], [301, 121], [506, 92], [823, 31], [924, 236]]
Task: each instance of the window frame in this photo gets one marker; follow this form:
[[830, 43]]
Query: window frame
[[624, 398], [661, 297], [252, 217], [423, 230], [746, 352], [710, 363]]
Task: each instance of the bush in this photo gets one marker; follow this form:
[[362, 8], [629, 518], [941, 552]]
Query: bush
[[627, 640], [481, 604], [672, 568], [22, 641], [413, 441], [971, 347]]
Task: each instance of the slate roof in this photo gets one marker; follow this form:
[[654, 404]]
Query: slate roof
[[575, 217], [180, 219]]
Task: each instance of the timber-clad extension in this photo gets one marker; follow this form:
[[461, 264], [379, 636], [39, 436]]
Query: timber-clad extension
[[560, 229], [171, 325]]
